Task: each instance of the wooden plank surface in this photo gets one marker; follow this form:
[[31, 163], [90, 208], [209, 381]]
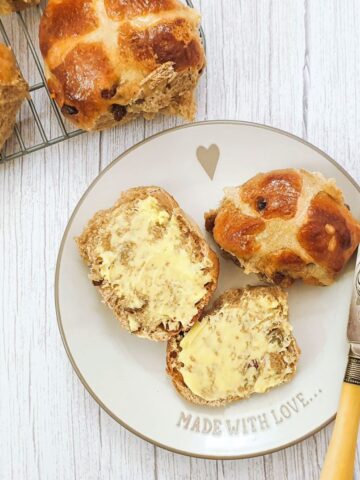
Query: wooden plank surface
[[291, 64]]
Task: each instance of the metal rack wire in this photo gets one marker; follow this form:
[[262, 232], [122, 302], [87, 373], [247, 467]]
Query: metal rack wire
[[24, 143], [38, 127]]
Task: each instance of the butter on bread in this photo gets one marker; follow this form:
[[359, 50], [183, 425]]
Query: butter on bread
[[286, 225], [150, 263], [244, 345], [108, 62]]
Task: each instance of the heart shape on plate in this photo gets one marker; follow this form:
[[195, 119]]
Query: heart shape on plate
[[208, 159]]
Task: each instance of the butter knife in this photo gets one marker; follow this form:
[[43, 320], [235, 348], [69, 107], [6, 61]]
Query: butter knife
[[340, 457]]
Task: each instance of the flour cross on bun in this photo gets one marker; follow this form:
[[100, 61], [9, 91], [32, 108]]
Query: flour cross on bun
[[150, 263], [110, 61], [244, 345], [286, 225]]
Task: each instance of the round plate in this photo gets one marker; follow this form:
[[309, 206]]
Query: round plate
[[126, 375]]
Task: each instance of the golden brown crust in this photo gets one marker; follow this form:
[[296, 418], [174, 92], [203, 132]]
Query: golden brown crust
[[167, 42], [88, 240], [329, 234], [65, 20], [122, 9], [285, 225], [109, 61], [236, 232], [232, 297], [73, 73], [282, 266], [9, 70], [9, 6], [13, 90], [275, 194]]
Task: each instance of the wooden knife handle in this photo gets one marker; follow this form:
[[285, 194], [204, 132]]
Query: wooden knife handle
[[340, 457]]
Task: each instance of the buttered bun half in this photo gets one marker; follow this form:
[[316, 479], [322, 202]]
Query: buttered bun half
[[150, 263], [244, 345], [286, 225]]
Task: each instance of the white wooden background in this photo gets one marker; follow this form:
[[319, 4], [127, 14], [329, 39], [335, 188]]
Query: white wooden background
[[293, 64]]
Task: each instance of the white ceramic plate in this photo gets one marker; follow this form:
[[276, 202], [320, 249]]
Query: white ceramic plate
[[126, 375]]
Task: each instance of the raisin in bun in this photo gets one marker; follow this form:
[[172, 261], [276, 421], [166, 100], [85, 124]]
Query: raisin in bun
[[285, 225], [110, 61]]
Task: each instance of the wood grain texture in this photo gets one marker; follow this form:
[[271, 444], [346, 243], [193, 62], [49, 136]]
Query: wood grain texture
[[291, 64]]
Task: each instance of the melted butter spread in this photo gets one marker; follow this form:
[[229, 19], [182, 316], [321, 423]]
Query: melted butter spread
[[146, 261], [229, 353]]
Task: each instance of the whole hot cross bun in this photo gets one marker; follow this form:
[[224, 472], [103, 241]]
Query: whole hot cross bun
[[109, 61], [286, 224]]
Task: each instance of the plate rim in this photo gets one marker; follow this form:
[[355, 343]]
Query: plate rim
[[57, 274]]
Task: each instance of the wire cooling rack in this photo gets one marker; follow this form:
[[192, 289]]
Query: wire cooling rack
[[40, 123]]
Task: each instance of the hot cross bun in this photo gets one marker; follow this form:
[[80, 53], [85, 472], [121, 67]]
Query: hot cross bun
[[110, 61], [285, 225]]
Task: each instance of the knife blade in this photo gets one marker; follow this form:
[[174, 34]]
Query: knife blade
[[352, 374]]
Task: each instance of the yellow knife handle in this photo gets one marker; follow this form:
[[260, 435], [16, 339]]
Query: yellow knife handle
[[340, 457]]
